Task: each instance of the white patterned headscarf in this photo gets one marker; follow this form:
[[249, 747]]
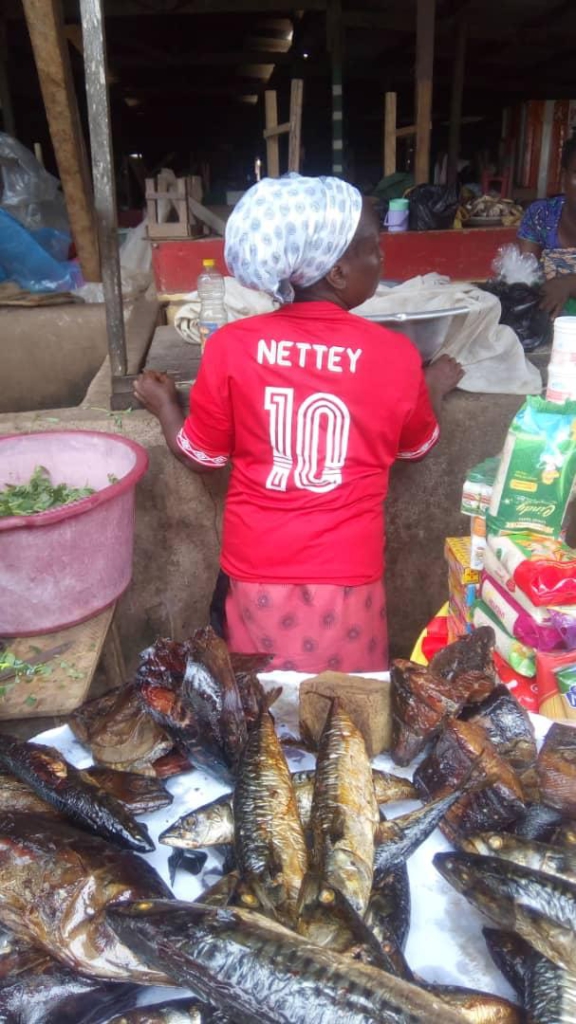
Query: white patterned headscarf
[[290, 230]]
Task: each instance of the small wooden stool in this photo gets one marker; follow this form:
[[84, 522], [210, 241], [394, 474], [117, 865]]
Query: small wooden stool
[[66, 678]]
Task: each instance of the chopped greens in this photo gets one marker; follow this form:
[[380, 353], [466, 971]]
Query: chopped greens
[[38, 495], [22, 668]]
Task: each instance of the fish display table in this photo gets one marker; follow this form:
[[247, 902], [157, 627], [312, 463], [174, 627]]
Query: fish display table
[[445, 943]]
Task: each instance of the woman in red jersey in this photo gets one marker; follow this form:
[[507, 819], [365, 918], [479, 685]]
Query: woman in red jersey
[[311, 405]]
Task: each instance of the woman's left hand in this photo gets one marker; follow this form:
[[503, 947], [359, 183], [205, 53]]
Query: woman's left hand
[[556, 293]]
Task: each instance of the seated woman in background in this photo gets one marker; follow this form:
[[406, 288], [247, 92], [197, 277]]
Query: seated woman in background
[[548, 229]]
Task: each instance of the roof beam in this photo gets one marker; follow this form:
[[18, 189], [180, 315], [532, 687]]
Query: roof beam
[[200, 58], [123, 8]]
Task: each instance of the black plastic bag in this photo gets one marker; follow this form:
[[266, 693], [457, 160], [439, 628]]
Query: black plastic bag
[[433, 207], [521, 311]]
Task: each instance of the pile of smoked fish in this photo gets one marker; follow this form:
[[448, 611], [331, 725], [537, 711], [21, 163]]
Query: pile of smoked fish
[[309, 921]]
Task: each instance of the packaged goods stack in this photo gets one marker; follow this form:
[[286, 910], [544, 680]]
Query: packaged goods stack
[[463, 583], [527, 590], [465, 555]]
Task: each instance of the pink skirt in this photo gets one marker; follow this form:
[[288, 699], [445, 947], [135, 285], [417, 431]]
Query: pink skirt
[[310, 627]]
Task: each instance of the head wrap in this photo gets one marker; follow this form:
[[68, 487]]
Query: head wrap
[[290, 230]]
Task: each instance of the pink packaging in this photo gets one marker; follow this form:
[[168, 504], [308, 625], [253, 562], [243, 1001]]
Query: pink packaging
[[516, 620], [543, 615]]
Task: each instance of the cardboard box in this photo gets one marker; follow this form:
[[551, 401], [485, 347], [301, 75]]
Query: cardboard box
[[457, 554]]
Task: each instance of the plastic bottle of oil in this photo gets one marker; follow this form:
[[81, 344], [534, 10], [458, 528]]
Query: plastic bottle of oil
[[211, 294]]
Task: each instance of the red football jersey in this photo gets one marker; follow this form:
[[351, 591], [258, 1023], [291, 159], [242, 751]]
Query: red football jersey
[[312, 404]]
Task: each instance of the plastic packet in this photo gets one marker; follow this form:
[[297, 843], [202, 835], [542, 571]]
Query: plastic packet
[[24, 260], [477, 489], [537, 470], [543, 615], [524, 689], [521, 657], [433, 207], [517, 621], [556, 683], [544, 568], [29, 193], [515, 267], [477, 541]]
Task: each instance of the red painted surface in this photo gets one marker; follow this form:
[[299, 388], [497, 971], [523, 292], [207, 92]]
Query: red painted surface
[[462, 255]]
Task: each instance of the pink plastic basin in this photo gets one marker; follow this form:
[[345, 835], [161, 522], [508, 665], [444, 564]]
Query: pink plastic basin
[[62, 566]]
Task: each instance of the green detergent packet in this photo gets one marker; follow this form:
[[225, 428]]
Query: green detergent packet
[[535, 479]]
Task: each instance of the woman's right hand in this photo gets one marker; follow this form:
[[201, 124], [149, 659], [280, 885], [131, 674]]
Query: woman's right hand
[[156, 391], [556, 292], [443, 375]]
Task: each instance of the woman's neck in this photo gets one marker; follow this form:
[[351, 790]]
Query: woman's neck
[[320, 292]]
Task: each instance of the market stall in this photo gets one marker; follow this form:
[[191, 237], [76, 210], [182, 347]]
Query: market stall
[[140, 780]]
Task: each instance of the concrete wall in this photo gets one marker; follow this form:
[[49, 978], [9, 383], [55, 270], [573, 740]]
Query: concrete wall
[[49, 354], [179, 516]]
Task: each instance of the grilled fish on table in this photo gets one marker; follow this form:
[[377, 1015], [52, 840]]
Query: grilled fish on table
[[213, 824], [55, 883], [256, 970], [547, 992], [269, 837], [63, 786], [540, 907], [177, 1011]]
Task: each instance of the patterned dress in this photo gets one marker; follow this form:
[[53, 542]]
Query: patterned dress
[[540, 225]]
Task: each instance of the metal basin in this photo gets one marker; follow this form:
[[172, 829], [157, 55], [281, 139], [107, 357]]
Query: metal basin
[[427, 329]]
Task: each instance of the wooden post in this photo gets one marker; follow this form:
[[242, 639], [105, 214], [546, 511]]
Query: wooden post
[[334, 33], [425, 20], [296, 96], [272, 146], [292, 128], [94, 41], [390, 113], [5, 95], [46, 28], [456, 101]]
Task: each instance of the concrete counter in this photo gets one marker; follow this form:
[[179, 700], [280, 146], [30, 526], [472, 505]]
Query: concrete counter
[[179, 517], [423, 508]]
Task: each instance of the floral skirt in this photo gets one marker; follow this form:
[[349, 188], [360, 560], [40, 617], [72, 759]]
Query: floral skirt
[[310, 627]]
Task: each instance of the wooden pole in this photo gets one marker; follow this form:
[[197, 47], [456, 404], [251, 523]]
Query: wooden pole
[[94, 41], [272, 145], [425, 19], [390, 114], [5, 95], [334, 32], [46, 29], [456, 101], [295, 135]]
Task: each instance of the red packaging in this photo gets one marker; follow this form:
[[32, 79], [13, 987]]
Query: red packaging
[[544, 568], [436, 636], [524, 689], [556, 684]]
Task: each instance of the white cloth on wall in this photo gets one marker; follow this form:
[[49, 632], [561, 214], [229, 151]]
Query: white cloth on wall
[[493, 359]]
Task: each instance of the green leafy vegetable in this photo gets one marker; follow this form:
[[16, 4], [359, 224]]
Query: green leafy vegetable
[[22, 668], [38, 495]]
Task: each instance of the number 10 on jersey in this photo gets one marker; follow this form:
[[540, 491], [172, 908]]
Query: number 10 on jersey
[[319, 442]]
